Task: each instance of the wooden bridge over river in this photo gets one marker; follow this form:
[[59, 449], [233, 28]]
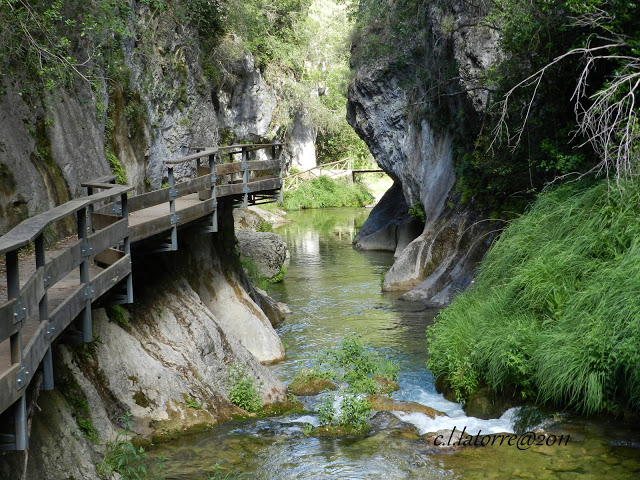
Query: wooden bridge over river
[[44, 292]]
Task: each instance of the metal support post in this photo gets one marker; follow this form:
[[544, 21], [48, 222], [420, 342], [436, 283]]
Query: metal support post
[[278, 155], [212, 172], [127, 246], [172, 209], [20, 408], [245, 177], [43, 309], [90, 221]]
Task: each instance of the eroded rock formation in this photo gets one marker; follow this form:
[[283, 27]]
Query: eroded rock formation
[[398, 119]]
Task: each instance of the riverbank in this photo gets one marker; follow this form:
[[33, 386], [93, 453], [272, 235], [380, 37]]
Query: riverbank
[[553, 315]]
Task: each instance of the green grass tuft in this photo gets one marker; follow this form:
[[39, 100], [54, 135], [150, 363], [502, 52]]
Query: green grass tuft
[[325, 192], [555, 309]]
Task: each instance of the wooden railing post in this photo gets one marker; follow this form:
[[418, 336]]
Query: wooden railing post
[[214, 200], [277, 152], [172, 208], [87, 324], [43, 309], [127, 244], [13, 291], [90, 220], [245, 176]]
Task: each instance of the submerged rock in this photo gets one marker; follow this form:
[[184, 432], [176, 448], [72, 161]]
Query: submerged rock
[[388, 404], [384, 421], [486, 404], [386, 386]]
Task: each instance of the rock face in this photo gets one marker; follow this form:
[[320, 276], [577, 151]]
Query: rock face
[[440, 262], [390, 117], [246, 107], [166, 361], [389, 227], [43, 156], [56, 440], [302, 144], [267, 250]]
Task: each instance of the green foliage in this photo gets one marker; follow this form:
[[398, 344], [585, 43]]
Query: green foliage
[[354, 412], [78, 405], [264, 227], [250, 266], [417, 212], [88, 430], [122, 457], [354, 366], [216, 472], [116, 167], [326, 411], [325, 192], [279, 277], [554, 310], [357, 365], [118, 315], [192, 402], [87, 350], [243, 391]]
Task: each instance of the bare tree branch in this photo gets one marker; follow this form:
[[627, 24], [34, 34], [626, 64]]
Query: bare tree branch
[[608, 118]]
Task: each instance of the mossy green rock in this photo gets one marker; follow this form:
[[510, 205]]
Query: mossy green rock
[[311, 386]]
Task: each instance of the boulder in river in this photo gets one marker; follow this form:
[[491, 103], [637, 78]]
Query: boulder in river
[[268, 251]]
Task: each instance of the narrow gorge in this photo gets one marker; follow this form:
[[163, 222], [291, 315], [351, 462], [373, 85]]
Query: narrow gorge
[[488, 293]]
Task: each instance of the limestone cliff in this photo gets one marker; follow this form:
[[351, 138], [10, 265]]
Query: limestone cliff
[[406, 123]]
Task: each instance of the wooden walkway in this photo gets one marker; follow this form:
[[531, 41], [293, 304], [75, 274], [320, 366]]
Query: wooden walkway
[[44, 293]]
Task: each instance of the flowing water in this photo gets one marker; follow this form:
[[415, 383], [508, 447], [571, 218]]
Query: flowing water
[[333, 291]]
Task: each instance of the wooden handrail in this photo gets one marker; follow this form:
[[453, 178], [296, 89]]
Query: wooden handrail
[[206, 151], [30, 229], [317, 167]]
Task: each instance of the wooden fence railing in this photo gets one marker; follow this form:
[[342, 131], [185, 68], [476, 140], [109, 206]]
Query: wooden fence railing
[[292, 181], [30, 302], [108, 222]]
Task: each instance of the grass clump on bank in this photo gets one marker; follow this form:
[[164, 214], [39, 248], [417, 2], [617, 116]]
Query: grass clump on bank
[[555, 309], [325, 192]]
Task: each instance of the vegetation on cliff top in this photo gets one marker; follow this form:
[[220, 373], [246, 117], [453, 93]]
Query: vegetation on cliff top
[[546, 129], [554, 310]]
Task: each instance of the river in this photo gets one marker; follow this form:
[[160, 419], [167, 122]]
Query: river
[[334, 291]]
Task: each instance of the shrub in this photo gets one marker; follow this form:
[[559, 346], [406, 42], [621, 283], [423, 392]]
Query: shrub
[[243, 391], [355, 413], [122, 456], [417, 212]]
